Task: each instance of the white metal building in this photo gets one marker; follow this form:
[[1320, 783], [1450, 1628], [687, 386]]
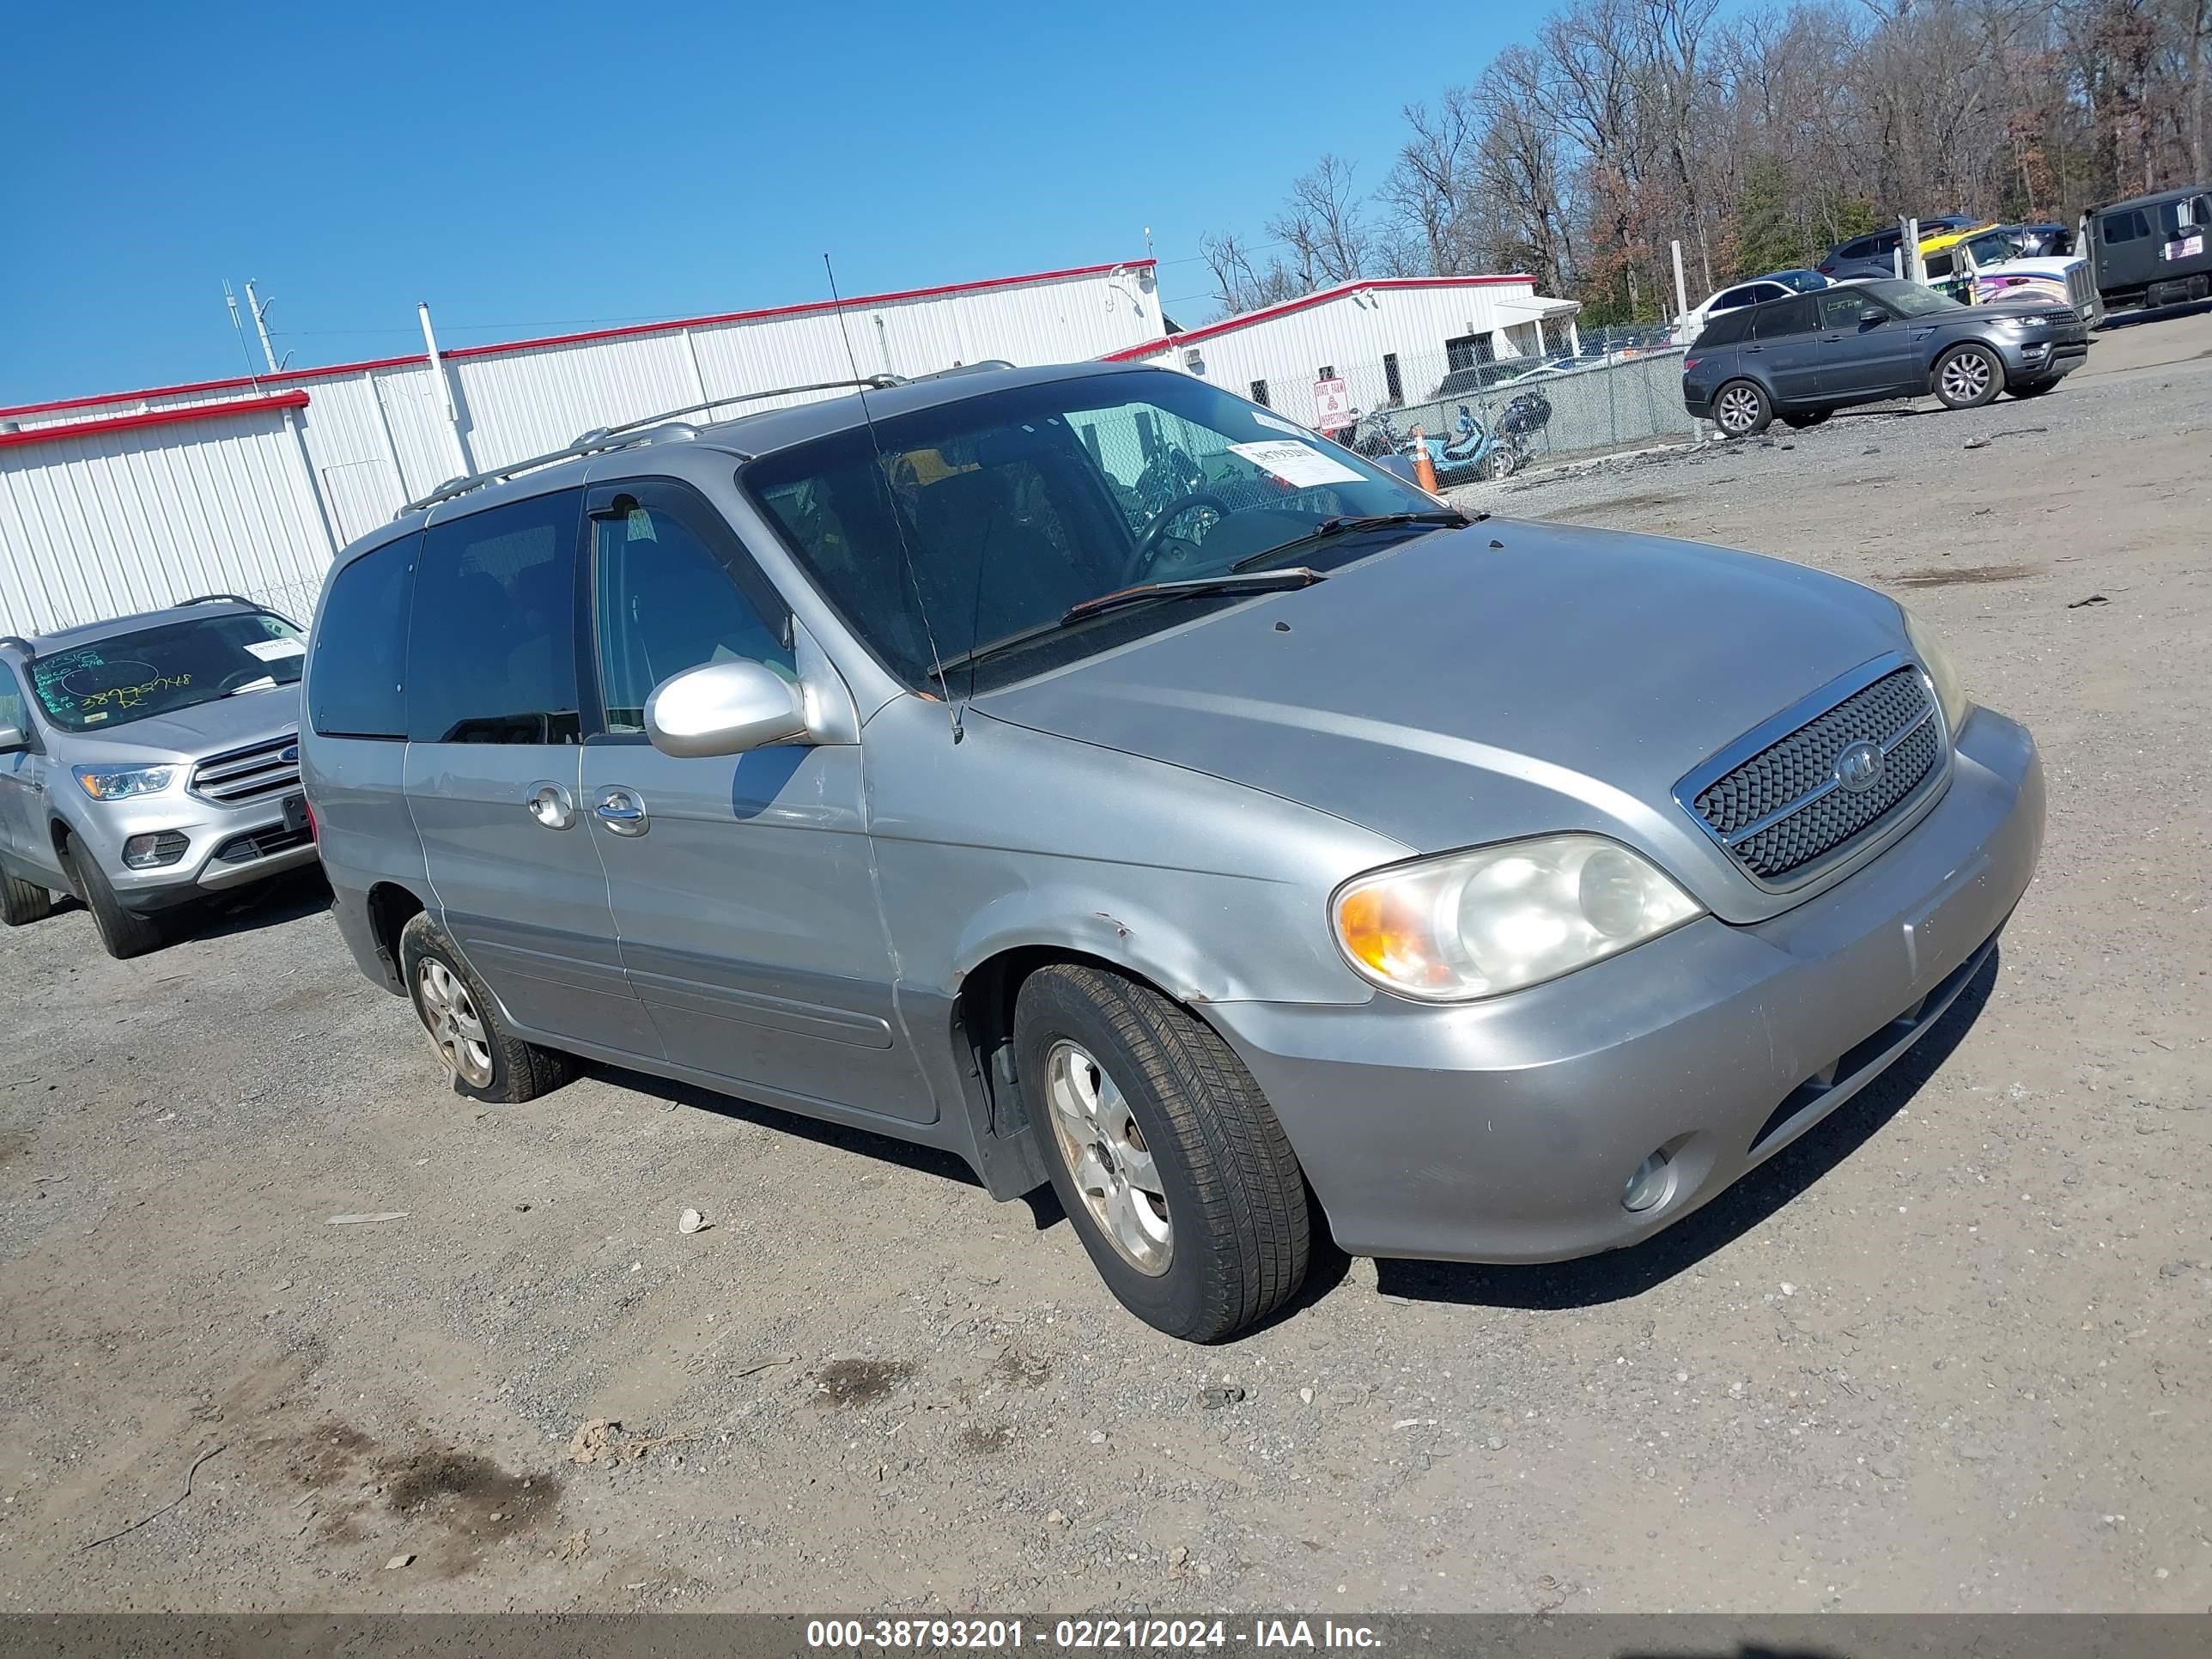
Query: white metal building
[[124, 502], [1390, 340]]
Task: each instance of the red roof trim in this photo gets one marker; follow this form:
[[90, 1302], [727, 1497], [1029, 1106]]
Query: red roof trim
[[40, 435], [1320, 296], [324, 372]]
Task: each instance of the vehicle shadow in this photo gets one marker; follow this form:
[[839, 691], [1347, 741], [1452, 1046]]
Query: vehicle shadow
[[287, 898], [1619, 1274], [1327, 1265]]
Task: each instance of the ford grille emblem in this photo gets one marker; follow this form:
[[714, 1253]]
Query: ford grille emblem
[[1858, 769]]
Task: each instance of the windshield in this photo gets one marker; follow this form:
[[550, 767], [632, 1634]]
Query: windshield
[[1910, 300], [157, 670], [1014, 507]]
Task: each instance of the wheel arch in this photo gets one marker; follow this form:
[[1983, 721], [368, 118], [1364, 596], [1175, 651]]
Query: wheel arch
[[391, 905], [982, 1033]]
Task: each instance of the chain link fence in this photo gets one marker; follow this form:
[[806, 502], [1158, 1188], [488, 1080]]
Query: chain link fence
[[1488, 418]]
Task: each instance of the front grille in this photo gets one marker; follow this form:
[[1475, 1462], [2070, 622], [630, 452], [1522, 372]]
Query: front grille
[[1786, 806], [249, 775], [261, 844]]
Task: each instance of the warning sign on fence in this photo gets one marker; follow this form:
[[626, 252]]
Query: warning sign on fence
[[1332, 405]]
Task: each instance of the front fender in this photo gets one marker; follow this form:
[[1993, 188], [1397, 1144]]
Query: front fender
[[1135, 936]]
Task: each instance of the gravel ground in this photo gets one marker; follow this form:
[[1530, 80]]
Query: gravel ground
[[1948, 1352]]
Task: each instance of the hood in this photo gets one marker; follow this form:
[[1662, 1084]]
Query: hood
[[207, 728], [1511, 678], [2033, 265]]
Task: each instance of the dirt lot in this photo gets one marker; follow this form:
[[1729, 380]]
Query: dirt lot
[[1951, 1351]]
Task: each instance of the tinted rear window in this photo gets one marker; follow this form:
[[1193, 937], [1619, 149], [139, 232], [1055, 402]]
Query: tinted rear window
[[1725, 330], [492, 652], [1786, 317], [355, 688]]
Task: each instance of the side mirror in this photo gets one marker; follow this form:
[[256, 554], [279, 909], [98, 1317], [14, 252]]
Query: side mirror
[[1873, 317], [13, 739], [724, 708]]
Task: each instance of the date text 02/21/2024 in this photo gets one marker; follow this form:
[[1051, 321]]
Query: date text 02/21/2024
[[1088, 1634]]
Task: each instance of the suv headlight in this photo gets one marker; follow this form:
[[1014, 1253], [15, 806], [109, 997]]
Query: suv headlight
[[121, 782], [1496, 919], [1950, 690]]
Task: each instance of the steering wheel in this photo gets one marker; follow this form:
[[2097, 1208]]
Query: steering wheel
[[231, 681], [1143, 555]]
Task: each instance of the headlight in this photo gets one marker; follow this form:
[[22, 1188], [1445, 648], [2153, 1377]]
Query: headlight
[[1478, 923], [1950, 690], [2022, 325], [121, 782]]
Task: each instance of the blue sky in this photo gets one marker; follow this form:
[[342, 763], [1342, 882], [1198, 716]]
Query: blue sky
[[532, 169]]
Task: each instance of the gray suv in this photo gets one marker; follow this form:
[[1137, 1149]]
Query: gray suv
[[1806, 356], [150, 761], [1097, 776]]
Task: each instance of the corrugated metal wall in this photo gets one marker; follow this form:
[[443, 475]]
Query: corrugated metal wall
[[1351, 333], [114, 521]]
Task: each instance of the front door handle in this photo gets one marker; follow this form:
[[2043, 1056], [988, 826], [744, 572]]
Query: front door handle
[[552, 806], [623, 810]]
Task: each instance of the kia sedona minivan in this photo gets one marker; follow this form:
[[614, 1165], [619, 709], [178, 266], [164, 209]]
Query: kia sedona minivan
[[1100, 777]]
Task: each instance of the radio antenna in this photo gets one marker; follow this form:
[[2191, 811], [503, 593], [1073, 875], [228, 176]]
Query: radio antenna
[[890, 500]]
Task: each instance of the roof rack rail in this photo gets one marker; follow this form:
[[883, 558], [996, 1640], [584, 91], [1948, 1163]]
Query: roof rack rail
[[625, 433], [20, 643], [219, 598], [981, 365]]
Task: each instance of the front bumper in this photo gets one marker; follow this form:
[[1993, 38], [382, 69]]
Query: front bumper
[[1505, 1131], [225, 847], [2034, 359]]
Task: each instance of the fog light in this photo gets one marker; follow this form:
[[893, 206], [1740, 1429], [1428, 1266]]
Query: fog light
[[152, 852], [1653, 1180]]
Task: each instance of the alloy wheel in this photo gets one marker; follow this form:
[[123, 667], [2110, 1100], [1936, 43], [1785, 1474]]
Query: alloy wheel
[[1103, 1147], [1966, 377], [450, 1016], [1739, 408]]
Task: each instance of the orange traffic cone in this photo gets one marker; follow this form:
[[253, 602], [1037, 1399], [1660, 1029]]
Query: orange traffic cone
[[1424, 472]]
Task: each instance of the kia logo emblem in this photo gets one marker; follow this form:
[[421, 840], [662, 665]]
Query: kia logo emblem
[[1858, 769], [291, 756]]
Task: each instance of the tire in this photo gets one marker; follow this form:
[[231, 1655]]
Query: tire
[[2033, 388], [465, 1026], [1741, 409], [1808, 417], [1968, 376], [1208, 1188], [23, 902], [125, 933]]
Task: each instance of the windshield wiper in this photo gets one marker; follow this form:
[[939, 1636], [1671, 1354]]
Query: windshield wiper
[[1250, 581], [1343, 525], [1235, 579]]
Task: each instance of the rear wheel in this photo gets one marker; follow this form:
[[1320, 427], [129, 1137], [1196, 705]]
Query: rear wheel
[[1165, 1155], [125, 933], [1805, 417], [465, 1026], [1740, 409], [2033, 388], [1968, 376], [23, 902]]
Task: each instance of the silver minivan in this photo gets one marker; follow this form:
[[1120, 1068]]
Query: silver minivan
[[1093, 774]]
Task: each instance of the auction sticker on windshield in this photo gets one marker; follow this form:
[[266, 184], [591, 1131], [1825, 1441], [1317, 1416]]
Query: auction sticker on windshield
[[1296, 463]]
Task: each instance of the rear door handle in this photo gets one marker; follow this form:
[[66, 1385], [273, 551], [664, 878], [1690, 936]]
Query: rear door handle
[[623, 810], [551, 805]]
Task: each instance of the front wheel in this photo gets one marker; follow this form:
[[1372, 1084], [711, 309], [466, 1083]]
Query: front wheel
[[1741, 409], [1968, 376], [1165, 1155], [123, 933], [464, 1024], [2033, 388], [1808, 417]]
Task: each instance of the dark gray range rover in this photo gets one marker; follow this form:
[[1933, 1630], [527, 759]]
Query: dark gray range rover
[[1806, 356]]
